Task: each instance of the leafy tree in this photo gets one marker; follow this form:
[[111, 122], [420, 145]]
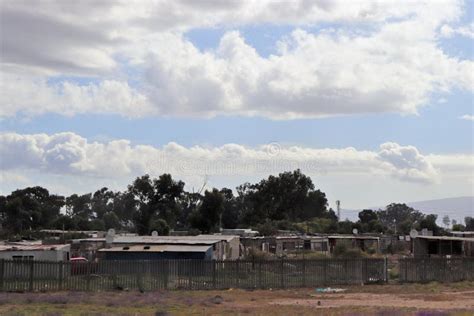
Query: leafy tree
[[155, 198], [207, 217], [429, 222], [3, 213], [366, 216], [64, 222], [469, 222], [288, 196], [96, 224], [397, 216], [267, 229], [459, 227], [102, 202], [161, 227], [446, 221], [230, 214], [31, 208], [187, 203], [345, 227], [111, 220]]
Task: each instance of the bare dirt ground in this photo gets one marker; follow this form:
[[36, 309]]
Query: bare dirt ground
[[415, 299]]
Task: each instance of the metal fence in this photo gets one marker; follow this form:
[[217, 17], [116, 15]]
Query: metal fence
[[436, 269], [187, 274]]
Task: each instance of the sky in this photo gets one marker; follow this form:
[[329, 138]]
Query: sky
[[372, 99]]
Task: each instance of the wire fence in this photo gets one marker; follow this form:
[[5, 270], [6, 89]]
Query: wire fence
[[188, 274]]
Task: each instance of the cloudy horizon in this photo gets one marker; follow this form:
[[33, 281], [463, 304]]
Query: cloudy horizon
[[372, 99]]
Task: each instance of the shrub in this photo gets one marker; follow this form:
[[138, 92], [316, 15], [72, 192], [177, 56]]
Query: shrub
[[341, 251]]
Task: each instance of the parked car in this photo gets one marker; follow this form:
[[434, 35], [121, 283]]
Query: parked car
[[80, 266]]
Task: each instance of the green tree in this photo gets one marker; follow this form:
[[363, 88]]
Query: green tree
[[111, 220], [397, 216], [366, 216], [459, 227], [429, 222], [446, 221], [102, 202], [207, 217], [288, 196], [31, 208], [230, 213], [155, 198], [161, 227], [469, 223]]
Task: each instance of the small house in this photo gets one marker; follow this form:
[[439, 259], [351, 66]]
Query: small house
[[35, 252], [440, 246]]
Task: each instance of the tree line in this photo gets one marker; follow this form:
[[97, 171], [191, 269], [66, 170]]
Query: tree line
[[288, 201]]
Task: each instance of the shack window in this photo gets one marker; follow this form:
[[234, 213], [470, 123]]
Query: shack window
[[432, 248], [307, 244]]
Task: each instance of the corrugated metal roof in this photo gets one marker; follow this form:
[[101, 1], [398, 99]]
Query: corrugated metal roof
[[463, 233], [447, 238], [192, 240], [353, 237], [92, 239], [32, 247], [161, 248]]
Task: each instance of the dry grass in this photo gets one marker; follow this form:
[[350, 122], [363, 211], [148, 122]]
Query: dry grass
[[411, 299]]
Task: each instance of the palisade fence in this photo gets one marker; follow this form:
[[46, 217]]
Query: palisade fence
[[188, 274], [436, 269]]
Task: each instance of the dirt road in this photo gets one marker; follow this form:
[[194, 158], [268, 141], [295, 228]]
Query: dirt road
[[432, 299]]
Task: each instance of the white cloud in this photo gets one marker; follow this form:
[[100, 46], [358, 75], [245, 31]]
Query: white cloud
[[407, 163], [33, 96], [69, 153], [467, 117], [392, 66], [312, 76], [466, 31]]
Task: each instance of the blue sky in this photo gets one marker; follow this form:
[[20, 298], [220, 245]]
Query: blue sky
[[321, 81]]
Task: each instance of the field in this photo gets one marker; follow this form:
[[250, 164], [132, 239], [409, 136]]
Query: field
[[408, 299]]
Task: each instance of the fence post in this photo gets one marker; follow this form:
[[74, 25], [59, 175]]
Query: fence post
[[2, 273], [363, 271], [346, 271], [214, 283], [282, 279], [88, 276], [406, 269], [260, 273], [238, 274], [385, 270], [325, 271], [140, 267], [304, 273], [32, 270], [60, 270], [165, 273]]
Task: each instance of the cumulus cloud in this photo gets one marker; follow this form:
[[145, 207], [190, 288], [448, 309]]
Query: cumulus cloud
[[392, 66], [312, 76], [465, 31], [33, 96], [407, 163], [467, 117], [69, 153]]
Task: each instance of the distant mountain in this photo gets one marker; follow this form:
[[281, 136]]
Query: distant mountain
[[456, 208]]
